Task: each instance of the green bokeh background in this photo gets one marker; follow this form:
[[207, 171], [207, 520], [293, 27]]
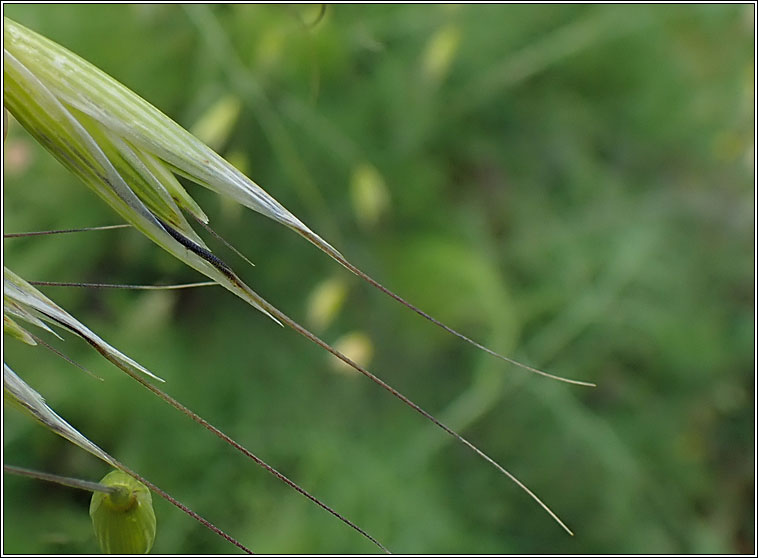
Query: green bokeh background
[[571, 185]]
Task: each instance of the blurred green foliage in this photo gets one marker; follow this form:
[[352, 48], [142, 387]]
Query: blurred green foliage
[[572, 185]]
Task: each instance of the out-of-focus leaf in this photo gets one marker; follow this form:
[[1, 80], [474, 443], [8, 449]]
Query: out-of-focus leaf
[[357, 346], [325, 302], [369, 194], [440, 52], [215, 125]]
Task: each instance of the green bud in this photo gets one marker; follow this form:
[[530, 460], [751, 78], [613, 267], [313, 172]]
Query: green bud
[[124, 521]]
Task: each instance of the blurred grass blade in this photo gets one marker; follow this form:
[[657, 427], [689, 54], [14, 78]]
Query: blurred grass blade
[[216, 124]]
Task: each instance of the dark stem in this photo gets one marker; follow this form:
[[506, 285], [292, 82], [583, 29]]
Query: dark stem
[[120, 286], [65, 481], [64, 357], [64, 231], [224, 241]]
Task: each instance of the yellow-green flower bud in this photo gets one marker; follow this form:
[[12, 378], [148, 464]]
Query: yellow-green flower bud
[[124, 520]]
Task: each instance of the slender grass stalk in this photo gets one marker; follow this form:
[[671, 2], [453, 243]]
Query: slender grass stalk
[[122, 286], [64, 231], [58, 479], [71, 361]]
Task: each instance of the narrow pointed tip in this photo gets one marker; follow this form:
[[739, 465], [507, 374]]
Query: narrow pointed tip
[[315, 239], [527, 367], [574, 382], [548, 510], [148, 373], [269, 314]]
